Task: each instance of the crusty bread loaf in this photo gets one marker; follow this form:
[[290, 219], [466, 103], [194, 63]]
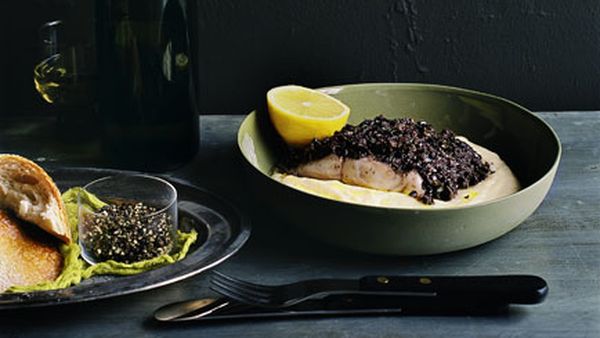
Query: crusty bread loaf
[[26, 189], [28, 255]]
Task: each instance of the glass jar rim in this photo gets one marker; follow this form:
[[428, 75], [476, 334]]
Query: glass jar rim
[[171, 202]]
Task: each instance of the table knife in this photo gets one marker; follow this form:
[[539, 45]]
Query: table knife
[[334, 305], [465, 300]]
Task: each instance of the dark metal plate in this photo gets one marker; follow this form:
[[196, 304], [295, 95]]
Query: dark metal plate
[[222, 230]]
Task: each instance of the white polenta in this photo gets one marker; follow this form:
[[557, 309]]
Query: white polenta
[[500, 183]]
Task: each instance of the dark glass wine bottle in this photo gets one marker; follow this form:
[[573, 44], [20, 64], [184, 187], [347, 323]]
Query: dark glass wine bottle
[[146, 96]]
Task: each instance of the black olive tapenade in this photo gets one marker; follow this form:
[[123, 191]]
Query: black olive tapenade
[[444, 162]]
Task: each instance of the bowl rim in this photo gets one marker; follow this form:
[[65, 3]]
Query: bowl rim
[[416, 85]]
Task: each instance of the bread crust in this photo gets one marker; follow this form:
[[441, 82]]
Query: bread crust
[[25, 177]]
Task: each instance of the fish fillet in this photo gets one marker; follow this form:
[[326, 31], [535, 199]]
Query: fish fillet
[[364, 172]]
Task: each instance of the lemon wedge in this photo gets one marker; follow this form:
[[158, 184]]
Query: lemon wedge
[[301, 114]]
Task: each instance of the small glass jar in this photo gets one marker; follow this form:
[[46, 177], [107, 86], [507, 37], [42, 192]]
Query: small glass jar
[[138, 222]]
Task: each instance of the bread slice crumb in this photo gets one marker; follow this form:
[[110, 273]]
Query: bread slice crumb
[[27, 190]]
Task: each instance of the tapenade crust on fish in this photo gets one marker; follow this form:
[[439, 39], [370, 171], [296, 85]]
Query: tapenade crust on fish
[[392, 155]]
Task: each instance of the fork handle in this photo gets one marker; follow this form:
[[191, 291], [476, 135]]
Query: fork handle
[[508, 289]]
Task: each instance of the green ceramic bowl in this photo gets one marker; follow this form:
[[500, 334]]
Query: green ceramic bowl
[[524, 141]]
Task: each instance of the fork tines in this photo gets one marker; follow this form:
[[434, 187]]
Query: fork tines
[[240, 290]]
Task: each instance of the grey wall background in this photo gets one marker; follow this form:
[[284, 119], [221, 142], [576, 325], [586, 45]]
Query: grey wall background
[[542, 54]]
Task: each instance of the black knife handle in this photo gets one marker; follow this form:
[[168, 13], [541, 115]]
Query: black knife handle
[[509, 289]]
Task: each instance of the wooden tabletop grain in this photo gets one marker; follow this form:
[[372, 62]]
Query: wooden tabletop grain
[[560, 242]]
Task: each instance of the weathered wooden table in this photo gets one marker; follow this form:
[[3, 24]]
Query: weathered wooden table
[[560, 242]]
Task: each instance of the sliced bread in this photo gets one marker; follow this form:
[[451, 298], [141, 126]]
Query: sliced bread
[[27, 190], [28, 255]]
